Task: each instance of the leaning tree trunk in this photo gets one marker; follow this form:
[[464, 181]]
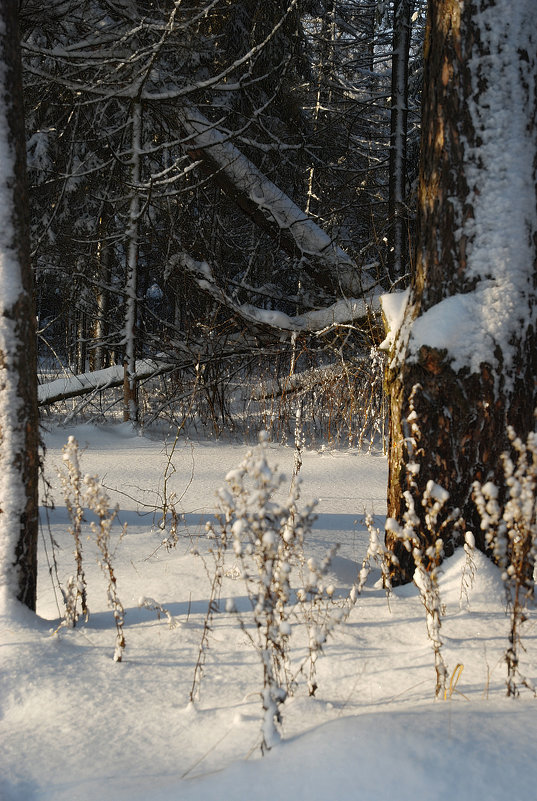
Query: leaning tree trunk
[[18, 374], [463, 363]]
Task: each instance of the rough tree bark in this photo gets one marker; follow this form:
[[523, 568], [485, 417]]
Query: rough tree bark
[[398, 231], [18, 373], [130, 389], [463, 361]]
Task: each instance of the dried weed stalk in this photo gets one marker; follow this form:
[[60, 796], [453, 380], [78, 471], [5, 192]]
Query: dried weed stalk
[[80, 494], [511, 534], [97, 501], [427, 560], [71, 481]]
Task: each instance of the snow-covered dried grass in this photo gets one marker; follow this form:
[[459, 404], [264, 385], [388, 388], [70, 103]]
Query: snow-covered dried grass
[[340, 392]]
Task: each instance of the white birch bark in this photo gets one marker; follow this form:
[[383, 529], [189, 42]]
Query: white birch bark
[[18, 406]]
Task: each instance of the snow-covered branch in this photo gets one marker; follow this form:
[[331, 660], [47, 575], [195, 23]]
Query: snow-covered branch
[[342, 312], [268, 206]]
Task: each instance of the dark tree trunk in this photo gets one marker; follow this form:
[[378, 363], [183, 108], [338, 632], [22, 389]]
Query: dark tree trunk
[[100, 355], [130, 386], [398, 218], [463, 364], [18, 374]]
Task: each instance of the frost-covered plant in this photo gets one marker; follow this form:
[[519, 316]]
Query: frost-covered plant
[[267, 539], [150, 603], [426, 580], [427, 553], [376, 553], [96, 500], [70, 597], [511, 534], [318, 611], [80, 494], [423, 535], [469, 568], [71, 481]]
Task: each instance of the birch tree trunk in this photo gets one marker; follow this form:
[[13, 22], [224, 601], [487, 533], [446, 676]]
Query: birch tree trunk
[[463, 363], [18, 382]]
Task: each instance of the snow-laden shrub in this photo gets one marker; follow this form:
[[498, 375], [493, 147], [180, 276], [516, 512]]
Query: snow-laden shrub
[[469, 568]]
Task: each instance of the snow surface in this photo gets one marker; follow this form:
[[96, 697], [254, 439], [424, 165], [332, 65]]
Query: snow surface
[[76, 725]]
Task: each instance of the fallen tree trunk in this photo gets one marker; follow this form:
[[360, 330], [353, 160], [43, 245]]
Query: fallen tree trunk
[[76, 385]]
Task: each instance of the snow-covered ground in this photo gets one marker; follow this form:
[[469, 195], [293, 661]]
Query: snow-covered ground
[[76, 725]]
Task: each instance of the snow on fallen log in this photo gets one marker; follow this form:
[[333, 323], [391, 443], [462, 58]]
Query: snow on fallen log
[[304, 381], [344, 311], [297, 233], [76, 385]]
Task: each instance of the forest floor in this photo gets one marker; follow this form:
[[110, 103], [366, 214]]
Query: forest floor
[[76, 725]]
